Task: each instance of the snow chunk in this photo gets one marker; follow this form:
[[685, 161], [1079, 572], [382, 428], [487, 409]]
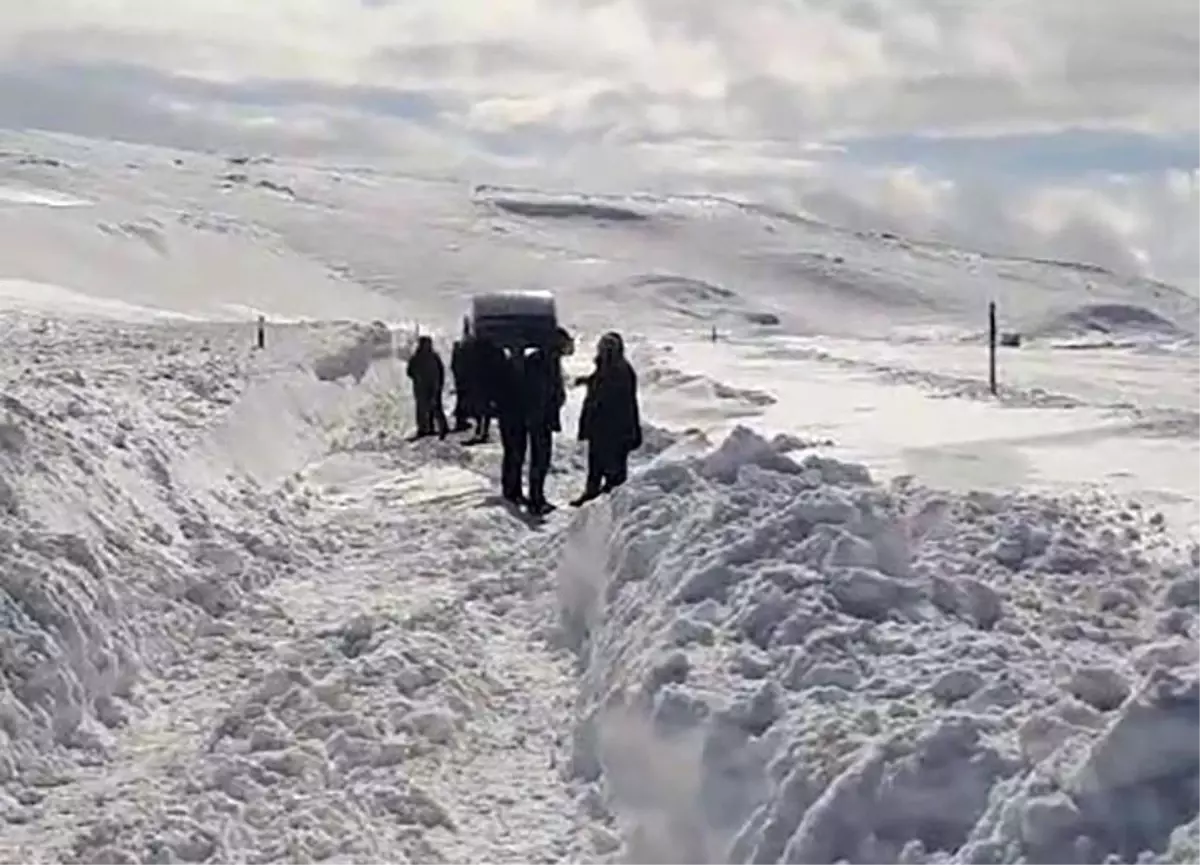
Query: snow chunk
[[867, 594], [957, 684], [1101, 687], [744, 448], [1183, 592]]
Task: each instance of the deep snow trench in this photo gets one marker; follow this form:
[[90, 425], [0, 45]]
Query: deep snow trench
[[244, 620]]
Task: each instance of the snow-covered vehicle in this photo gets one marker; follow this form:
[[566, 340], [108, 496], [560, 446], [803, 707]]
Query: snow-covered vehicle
[[515, 320]]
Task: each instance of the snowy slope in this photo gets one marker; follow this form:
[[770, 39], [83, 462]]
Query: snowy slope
[[850, 607]]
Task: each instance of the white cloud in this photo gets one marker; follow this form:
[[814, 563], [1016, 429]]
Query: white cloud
[[810, 68], [654, 92]]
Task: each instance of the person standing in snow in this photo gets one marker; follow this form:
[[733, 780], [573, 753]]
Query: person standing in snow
[[529, 397], [487, 372], [428, 375], [463, 372], [610, 421]]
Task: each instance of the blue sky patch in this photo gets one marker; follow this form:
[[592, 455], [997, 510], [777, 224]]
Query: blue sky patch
[[1032, 155]]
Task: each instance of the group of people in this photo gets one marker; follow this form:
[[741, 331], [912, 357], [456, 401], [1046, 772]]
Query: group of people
[[523, 390]]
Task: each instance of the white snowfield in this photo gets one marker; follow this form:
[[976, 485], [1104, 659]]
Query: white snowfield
[[850, 606]]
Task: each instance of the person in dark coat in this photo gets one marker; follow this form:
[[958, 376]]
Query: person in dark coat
[[462, 368], [530, 396], [610, 420], [428, 375], [488, 373]]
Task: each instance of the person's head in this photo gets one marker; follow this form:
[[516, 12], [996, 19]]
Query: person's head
[[424, 343], [610, 348], [564, 343]]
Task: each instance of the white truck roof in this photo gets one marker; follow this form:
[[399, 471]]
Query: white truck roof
[[533, 304], [515, 319]]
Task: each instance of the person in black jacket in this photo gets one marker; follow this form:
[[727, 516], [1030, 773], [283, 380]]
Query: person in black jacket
[[428, 375], [529, 395], [610, 421], [462, 368], [488, 371], [544, 396]]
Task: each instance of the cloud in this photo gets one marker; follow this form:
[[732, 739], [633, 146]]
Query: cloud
[[827, 68], [1009, 117]]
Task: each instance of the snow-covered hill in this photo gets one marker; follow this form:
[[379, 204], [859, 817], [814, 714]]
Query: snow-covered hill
[[851, 606]]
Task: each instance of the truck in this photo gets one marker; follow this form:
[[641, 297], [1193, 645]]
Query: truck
[[516, 320]]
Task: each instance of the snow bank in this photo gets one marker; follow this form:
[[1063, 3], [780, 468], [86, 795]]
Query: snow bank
[[783, 661], [727, 401], [537, 205], [40, 297], [189, 261], [1113, 324], [289, 416], [138, 504], [695, 300], [29, 195]]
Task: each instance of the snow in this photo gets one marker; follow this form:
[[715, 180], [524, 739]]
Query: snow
[[40, 197], [849, 607], [42, 297], [840, 670]]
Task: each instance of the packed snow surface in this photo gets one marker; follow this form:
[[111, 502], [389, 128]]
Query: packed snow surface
[[851, 606]]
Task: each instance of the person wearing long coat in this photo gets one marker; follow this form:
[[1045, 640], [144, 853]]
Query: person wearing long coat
[[610, 421], [526, 392], [463, 369], [428, 375]]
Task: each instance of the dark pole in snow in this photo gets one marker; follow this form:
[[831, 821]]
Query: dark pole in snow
[[262, 332], [992, 347]]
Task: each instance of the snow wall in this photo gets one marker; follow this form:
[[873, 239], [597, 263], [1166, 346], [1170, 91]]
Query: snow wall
[[122, 508], [782, 661]]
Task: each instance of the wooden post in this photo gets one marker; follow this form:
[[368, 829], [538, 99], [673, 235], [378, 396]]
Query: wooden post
[[992, 337], [261, 340]]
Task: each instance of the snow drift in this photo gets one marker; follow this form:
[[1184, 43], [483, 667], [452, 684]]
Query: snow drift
[[181, 261], [40, 197], [123, 500], [694, 300], [783, 661], [1113, 324]]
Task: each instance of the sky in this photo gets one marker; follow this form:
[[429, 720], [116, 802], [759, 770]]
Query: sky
[[1063, 129]]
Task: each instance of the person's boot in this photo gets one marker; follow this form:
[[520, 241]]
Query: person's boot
[[590, 491], [538, 506]]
